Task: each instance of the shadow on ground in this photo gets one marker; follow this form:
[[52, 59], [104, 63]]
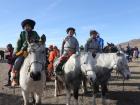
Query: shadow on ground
[[10, 99], [125, 98]]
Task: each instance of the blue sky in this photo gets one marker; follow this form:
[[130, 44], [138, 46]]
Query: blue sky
[[116, 20]]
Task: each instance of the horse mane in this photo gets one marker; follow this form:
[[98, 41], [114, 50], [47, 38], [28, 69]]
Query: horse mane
[[110, 48]]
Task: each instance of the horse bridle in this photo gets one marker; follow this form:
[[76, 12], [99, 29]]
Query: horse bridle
[[29, 67]]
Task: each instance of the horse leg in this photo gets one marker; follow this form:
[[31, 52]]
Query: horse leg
[[94, 98], [33, 98], [104, 90], [37, 98], [56, 87], [84, 85], [75, 92], [25, 97], [94, 93], [68, 93]]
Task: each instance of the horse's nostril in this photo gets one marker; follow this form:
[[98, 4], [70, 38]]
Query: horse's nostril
[[91, 79], [35, 76]]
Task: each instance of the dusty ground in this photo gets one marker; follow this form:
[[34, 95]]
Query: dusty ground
[[130, 96]]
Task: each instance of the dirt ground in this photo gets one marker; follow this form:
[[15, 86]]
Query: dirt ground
[[115, 96]]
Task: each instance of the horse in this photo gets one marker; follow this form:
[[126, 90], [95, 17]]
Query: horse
[[74, 68], [110, 48], [2, 54], [32, 73], [105, 63]]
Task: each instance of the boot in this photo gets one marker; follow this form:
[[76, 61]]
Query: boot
[[9, 81], [59, 68], [62, 61], [14, 81]]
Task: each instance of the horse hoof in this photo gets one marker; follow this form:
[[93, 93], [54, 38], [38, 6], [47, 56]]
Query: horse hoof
[[37, 104]]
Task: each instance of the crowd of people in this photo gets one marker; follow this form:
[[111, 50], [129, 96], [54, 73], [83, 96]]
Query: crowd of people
[[132, 52], [70, 45]]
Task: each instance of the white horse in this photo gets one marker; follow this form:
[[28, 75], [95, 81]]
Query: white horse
[[32, 73], [74, 68], [105, 63]]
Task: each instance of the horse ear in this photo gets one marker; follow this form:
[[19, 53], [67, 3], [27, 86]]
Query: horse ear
[[43, 38]]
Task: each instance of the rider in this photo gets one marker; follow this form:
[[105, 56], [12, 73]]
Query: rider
[[28, 35], [70, 46], [92, 44]]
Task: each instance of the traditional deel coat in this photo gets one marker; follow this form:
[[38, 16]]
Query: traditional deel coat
[[92, 45], [70, 45], [22, 41]]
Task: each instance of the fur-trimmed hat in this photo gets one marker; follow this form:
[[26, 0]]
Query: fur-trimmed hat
[[29, 22], [9, 46], [93, 32], [70, 28]]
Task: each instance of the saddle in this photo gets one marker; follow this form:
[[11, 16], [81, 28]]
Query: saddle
[[60, 68]]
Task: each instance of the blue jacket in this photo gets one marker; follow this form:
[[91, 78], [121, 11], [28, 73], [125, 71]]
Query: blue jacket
[[101, 42]]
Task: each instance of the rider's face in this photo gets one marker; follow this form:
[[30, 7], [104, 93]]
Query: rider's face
[[71, 33], [27, 27], [94, 35]]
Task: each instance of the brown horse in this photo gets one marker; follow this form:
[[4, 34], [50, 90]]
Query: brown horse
[[110, 48], [2, 54]]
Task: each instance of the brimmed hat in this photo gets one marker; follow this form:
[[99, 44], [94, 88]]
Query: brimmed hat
[[70, 28], [29, 22], [93, 32]]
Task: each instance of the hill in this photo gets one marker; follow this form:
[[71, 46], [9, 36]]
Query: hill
[[132, 43]]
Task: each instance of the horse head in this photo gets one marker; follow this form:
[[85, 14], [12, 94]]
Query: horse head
[[36, 56], [122, 65], [110, 48], [87, 62]]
